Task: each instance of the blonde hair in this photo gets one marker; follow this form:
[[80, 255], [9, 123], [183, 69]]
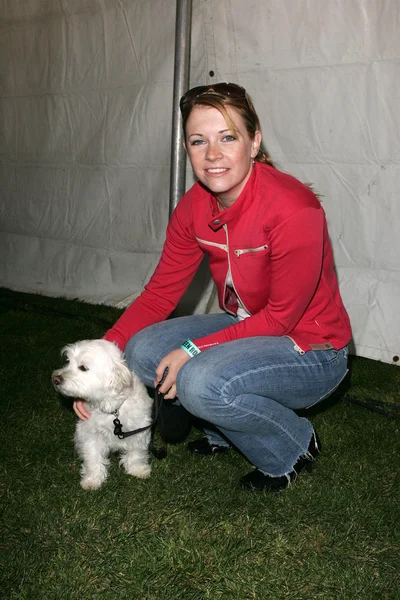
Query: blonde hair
[[243, 106]]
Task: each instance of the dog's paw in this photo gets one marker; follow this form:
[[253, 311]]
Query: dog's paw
[[141, 471], [91, 483]]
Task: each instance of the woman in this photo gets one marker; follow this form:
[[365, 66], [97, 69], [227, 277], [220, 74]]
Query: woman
[[280, 344]]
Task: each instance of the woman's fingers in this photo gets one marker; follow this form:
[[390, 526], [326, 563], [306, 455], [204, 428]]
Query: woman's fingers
[[171, 394], [172, 362], [80, 409]]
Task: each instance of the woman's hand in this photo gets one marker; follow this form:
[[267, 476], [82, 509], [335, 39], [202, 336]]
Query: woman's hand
[[173, 362], [79, 407]]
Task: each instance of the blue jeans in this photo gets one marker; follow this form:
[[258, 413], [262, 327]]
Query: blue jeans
[[247, 389]]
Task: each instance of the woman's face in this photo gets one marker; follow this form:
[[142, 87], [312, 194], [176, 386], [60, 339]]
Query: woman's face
[[222, 159]]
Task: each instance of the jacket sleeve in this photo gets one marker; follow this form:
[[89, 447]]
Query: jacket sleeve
[[180, 259], [296, 263]]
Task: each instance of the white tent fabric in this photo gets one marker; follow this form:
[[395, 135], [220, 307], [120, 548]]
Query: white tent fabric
[[85, 137]]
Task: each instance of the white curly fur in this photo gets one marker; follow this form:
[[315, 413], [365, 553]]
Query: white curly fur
[[97, 373]]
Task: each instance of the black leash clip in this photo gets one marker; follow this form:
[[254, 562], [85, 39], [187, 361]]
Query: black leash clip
[[159, 453], [118, 429]]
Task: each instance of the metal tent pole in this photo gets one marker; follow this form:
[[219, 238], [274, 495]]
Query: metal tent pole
[[181, 83]]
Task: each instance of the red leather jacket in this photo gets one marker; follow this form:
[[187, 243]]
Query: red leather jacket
[[275, 241]]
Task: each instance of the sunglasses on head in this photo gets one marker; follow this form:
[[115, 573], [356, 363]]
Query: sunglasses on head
[[233, 90]]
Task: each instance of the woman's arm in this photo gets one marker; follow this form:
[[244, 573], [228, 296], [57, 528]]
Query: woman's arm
[[180, 259]]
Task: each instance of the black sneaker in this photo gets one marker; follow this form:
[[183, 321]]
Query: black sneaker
[[257, 480], [306, 461], [204, 448]]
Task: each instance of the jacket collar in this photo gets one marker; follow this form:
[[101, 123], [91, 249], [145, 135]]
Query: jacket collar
[[221, 218]]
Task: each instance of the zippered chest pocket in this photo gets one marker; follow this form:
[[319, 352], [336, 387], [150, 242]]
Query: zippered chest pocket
[[258, 251], [209, 244]]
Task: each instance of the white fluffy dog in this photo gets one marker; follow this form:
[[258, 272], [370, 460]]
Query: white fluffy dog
[[97, 373]]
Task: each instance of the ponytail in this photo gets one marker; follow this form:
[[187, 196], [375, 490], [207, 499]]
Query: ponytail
[[264, 157]]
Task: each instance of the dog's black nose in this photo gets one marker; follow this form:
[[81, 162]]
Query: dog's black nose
[[57, 379]]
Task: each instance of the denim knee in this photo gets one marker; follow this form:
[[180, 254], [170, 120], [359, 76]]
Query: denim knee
[[192, 389], [136, 355]]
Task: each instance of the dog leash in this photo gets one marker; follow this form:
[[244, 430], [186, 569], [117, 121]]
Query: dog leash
[[159, 453]]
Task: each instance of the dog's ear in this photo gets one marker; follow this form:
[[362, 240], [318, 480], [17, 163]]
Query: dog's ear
[[122, 377], [64, 351]]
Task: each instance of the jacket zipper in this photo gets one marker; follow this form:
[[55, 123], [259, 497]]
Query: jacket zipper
[[229, 267], [207, 243], [244, 250]]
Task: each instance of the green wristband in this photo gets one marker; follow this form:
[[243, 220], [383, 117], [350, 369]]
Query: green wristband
[[190, 348]]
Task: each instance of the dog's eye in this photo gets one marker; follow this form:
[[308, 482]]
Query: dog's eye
[[83, 368]]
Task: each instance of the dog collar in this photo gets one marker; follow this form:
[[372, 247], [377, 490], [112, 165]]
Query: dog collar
[[124, 434], [158, 398], [118, 425]]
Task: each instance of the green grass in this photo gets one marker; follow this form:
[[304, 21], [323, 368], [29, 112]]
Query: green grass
[[189, 532]]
